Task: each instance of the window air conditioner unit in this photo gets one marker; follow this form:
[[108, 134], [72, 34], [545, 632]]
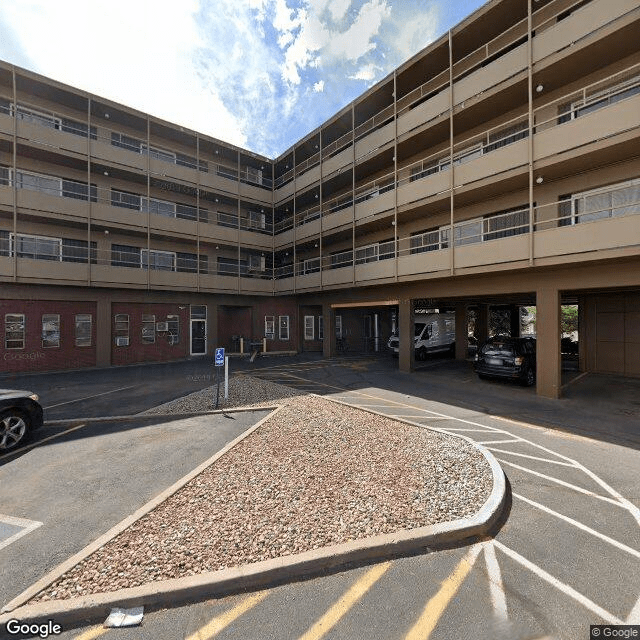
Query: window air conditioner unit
[[256, 263], [162, 326], [122, 341]]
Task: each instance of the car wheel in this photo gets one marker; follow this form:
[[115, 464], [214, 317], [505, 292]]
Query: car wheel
[[421, 354], [14, 428], [529, 377], [482, 376]]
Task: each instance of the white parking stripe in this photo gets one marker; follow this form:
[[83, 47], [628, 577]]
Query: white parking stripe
[[524, 455], [579, 525], [97, 395], [496, 587], [563, 483], [497, 441], [565, 588], [39, 442], [27, 526]]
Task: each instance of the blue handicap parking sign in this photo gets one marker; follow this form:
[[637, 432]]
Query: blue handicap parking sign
[[219, 357]]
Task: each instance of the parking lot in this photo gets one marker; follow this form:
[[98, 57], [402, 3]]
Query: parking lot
[[567, 556]]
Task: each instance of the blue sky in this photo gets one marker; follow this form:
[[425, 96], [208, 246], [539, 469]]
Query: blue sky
[[260, 74]]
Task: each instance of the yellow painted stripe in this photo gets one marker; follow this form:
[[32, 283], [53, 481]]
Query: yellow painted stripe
[[342, 606], [215, 626], [436, 606], [94, 632]]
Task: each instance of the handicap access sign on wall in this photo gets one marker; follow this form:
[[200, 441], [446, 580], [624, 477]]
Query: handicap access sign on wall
[[219, 356]]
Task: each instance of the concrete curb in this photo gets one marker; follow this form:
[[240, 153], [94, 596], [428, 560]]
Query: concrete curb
[[211, 584]]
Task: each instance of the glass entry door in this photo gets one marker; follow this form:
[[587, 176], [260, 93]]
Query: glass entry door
[[198, 330]]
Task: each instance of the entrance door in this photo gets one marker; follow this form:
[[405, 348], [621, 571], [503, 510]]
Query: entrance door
[[198, 330]]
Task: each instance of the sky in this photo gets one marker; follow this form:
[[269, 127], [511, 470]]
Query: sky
[[260, 74]]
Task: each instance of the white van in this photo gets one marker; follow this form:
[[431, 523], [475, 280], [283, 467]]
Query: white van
[[433, 332]]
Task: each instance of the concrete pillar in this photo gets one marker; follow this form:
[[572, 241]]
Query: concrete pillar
[[482, 323], [582, 333], [329, 340], [548, 376], [462, 334], [103, 332], [514, 320], [406, 355]]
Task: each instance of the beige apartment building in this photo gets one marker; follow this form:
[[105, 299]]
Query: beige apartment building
[[497, 168]]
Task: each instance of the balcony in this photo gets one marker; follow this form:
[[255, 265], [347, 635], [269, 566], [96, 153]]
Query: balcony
[[552, 36]]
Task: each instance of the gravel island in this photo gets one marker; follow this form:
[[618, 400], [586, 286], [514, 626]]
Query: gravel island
[[315, 474]]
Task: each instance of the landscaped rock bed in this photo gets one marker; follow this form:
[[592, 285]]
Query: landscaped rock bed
[[315, 474]]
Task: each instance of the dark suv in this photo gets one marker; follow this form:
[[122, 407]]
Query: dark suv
[[504, 357]]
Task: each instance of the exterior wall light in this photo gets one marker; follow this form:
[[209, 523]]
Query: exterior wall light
[[539, 180], [539, 88]]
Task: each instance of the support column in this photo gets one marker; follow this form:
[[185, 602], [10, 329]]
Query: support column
[[462, 334], [103, 332], [482, 323], [329, 340], [406, 355], [548, 376], [514, 320]]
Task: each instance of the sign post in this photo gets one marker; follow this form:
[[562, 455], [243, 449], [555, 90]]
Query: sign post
[[219, 362]]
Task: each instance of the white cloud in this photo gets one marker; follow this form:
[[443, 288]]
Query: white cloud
[[256, 73], [367, 72]]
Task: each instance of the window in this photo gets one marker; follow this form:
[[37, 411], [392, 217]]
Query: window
[[468, 232], [83, 330], [38, 117], [125, 199], [269, 327], [320, 328], [37, 247], [427, 241], [367, 254], [188, 262], [148, 328], [37, 182], [309, 324], [123, 255], [121, 329], [508, 135], [607, 202], [256, 220], [159, 154], [283, 323], [159, 207], [79, 190], [339, 327], [126, 142], [50, 330], [507, 223], [5, 244], [173, 323], [14, 324], [158, 260], [78, 251], [312, 265]]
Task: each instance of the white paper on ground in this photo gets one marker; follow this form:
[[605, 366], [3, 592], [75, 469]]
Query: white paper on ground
[[124, 617]]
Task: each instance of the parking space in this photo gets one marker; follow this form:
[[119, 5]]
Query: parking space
[[566, 555], [64, 494]]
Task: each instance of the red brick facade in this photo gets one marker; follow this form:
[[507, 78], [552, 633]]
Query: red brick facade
[[161, 350], [33, 356]]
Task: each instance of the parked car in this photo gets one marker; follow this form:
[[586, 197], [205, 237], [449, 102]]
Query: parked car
[[505, 357], [20, 414], [432, 333]]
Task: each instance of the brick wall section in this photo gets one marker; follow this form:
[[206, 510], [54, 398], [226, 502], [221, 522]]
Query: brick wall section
[[161, 350], [35, 357]]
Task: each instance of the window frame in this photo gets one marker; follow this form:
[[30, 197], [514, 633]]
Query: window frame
[[173, 322], [309, 328], [156, 252], [80, 320], [148, 328], [284, 325], [270, 327], [23, 329], [56, 330], [121, 332]]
